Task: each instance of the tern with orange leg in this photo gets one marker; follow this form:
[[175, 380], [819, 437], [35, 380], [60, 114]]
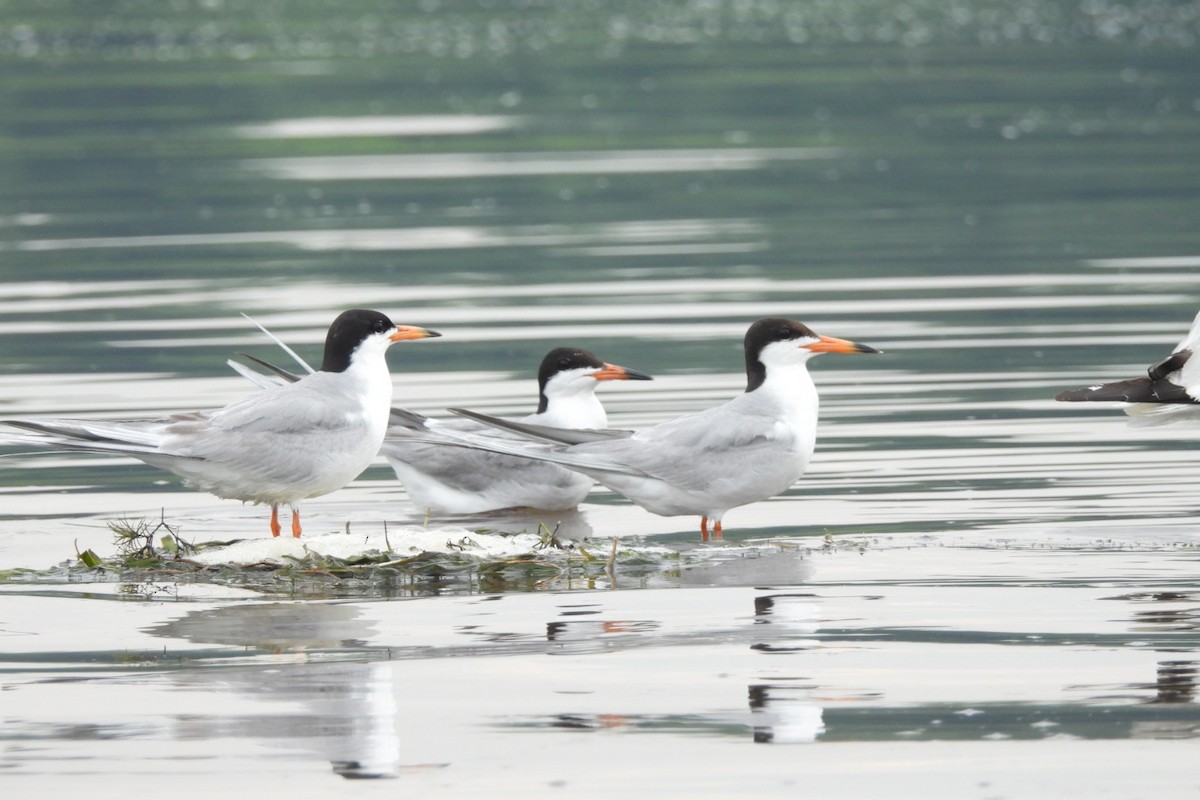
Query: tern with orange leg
[[279, 446], [748, 449]]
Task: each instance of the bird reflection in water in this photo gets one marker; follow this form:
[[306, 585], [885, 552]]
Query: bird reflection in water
[[790, 617], [783, 711], [1176, 682], [347, 709]]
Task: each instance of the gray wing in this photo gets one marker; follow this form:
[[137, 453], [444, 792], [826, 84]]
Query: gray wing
[[400, 417], [314, 405], [473, 470], [686, 451], [545, 432], [694, 451], [403, 418]]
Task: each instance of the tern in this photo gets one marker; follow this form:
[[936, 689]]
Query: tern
[[1169, 392], [454, 480], [442, 477], [279, 446], [748, 449]]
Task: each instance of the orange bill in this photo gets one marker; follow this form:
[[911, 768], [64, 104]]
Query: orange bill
[[612, 372], [828, 344], [410, 332]]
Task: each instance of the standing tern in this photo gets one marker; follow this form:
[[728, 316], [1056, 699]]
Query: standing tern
[[748, 449], [278, 446], [442, 477], [1169, 392]]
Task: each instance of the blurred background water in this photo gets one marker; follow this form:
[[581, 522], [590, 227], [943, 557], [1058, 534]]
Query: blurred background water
[[885, 169], [1003, 196]]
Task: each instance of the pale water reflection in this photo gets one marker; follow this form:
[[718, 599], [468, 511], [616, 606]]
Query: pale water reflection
[[954, 647], [326, 127]]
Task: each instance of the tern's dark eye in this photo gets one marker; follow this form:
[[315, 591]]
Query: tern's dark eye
[[784, 332], [564, 364], [378, 326]]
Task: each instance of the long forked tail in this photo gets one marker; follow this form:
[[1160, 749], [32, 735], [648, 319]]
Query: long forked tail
[[295, 356], [81, 435], [278, 377]]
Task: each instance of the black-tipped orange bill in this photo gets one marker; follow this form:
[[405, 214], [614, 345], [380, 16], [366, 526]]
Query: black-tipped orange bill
[[404, 332], [612, 372], [828, 344]]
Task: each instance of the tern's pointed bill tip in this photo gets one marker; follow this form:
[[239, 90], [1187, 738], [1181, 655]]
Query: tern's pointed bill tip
[[613, 372], [407, 332], [828, 344]]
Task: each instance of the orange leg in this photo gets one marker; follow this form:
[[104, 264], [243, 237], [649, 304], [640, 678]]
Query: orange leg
[[704, 529], [296, 522], [275, 520]]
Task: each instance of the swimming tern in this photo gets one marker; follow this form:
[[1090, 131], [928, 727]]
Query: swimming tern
[[1169, 392]]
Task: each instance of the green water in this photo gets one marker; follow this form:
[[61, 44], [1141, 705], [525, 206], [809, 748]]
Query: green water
[[971, 138]]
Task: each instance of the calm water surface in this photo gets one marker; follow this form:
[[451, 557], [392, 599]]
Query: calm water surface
[[975, 591]]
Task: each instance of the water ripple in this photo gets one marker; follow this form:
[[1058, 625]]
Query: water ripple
[[445, 166]]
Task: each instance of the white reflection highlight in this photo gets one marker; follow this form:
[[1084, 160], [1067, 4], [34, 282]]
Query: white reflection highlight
[[335, 127], [450, 237], [27, 219], [1146, 262], [445, 166], [626, 251]]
